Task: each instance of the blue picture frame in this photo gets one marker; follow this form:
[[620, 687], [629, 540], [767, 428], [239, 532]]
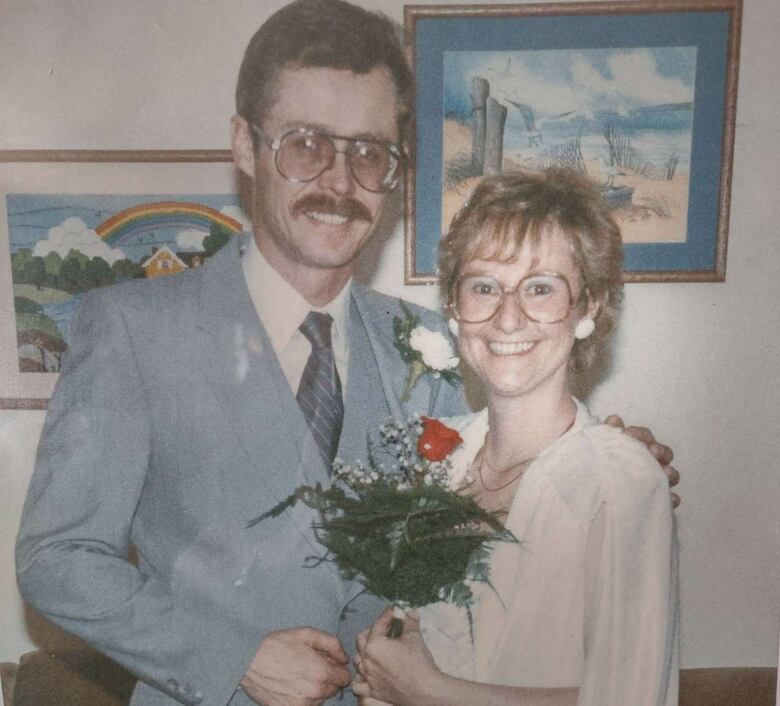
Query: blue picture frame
[[442, 40]]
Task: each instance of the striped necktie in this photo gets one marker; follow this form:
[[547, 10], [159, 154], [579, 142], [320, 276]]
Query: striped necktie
[[319, 392]]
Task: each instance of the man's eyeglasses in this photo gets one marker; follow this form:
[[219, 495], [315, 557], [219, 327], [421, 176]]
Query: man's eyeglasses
[[302, 154], [544, 297]]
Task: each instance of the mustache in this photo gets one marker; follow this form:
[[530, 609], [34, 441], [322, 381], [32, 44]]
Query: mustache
[[347, 208]]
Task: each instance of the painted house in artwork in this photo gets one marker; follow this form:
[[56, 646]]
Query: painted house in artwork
[[163, 262]]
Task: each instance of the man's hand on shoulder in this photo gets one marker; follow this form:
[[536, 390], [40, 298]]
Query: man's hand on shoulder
[[296, 667], [663, 454]]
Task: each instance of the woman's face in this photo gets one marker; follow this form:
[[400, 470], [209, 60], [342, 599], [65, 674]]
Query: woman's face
[[509, 353]]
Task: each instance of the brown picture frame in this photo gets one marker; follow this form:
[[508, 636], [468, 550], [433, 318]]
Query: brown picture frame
[[196, 177]]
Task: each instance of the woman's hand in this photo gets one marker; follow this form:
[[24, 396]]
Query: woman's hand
[[394, 670]]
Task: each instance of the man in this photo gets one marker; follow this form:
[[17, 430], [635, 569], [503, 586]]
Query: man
[[188, 405]]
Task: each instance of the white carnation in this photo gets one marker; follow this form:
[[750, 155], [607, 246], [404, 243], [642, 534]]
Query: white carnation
[[434, 347]]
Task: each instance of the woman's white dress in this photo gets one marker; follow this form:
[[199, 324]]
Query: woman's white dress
[[588, 598]]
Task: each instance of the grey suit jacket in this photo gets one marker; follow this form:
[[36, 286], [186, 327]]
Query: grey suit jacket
[[171, 427]]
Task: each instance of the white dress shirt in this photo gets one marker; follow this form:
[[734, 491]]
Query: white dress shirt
[[282, 309]]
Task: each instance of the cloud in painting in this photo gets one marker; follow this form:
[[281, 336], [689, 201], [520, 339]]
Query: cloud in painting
[[561, 81], [73, 234], [633, 77], [191, 239], [514, 81]]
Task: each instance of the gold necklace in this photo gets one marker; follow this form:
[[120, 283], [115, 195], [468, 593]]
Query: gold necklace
[[484, 461]]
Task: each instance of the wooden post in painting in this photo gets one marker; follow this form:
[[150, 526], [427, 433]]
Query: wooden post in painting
[[480, 90], [494, 137]]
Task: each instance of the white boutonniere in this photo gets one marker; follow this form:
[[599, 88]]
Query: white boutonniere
[[426, 352]]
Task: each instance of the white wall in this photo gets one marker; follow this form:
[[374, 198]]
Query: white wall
[[697, 362]]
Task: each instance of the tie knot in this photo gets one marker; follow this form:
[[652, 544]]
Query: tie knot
[[316, 327]]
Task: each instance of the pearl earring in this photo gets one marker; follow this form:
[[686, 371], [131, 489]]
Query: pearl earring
[[453, 326], [584, 328]]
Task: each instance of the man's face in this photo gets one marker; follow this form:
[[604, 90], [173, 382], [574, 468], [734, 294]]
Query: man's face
[[322, 224]]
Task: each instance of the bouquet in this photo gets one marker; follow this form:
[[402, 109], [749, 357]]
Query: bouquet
[[396, 525]]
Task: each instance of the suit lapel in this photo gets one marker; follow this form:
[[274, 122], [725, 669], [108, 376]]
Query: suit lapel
[[241, 367], [365, 405], [392, 370]]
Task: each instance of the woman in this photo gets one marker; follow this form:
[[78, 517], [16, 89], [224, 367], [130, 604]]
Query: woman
[[583, 610]]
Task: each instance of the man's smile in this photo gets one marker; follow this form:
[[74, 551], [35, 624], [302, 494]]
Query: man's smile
[[330, 211], [327, 218]]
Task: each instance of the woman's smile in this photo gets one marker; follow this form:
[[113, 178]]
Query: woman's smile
[[510, 348]]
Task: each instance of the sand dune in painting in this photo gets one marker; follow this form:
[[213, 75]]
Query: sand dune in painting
[[657, 211]]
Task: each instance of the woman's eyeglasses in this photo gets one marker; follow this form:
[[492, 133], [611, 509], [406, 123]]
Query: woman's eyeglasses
[[543, 297]]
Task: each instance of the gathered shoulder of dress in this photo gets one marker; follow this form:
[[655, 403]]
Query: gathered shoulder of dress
[[588, 597]]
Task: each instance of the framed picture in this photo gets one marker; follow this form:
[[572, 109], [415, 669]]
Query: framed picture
[[640, 96], [72, 221]]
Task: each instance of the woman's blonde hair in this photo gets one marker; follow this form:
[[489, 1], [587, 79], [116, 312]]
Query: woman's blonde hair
[[505, 211]]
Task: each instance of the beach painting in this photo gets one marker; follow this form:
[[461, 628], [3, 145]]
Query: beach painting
[[621, 116], [64, 245], [638, 96]]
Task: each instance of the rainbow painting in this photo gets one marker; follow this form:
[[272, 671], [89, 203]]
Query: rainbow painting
[[150, 217], [63, 245]]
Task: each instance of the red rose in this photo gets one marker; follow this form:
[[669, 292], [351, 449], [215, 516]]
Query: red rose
[[437, 440]]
